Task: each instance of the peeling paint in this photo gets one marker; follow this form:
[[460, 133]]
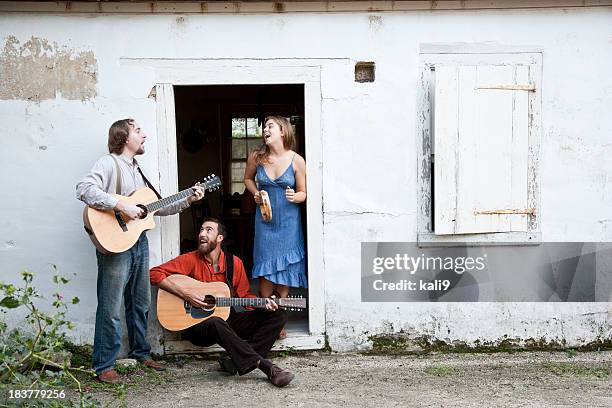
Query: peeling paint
[[376, 23], [153, 93], [39, 70]]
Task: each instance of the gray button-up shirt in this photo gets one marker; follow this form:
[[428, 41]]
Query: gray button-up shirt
[[97, 187]]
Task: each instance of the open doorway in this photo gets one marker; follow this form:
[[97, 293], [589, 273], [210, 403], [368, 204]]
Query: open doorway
[[216, 127]]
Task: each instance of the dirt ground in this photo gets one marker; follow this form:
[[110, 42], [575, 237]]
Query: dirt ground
[[533, 379]]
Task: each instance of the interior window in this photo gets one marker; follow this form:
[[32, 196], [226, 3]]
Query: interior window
[[246, 137]]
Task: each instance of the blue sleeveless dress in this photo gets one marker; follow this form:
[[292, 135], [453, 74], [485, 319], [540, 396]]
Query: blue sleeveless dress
[[278, 252]]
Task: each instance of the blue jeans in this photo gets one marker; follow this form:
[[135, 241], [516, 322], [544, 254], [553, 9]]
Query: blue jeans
[[122, 275]]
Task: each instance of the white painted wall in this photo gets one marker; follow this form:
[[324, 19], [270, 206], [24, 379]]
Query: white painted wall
[[369, 151]]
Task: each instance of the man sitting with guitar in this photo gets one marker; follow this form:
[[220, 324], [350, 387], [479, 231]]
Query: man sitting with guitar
[[246, 336]]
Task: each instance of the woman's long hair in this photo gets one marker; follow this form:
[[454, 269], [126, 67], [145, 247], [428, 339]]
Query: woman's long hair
[[287, 134]]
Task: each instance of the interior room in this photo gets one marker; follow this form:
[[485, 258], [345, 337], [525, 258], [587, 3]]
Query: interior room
[[216, 127]]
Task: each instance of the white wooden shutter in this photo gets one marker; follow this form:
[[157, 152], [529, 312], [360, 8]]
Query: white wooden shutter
[[481, 137]]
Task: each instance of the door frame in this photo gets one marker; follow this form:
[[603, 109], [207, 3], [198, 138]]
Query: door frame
[[249, 72]]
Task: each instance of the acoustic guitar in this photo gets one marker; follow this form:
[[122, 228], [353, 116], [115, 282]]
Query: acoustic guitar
[[112, 233], [175, 313]]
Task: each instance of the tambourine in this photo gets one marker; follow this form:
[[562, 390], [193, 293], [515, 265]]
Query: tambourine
[[265, 207]]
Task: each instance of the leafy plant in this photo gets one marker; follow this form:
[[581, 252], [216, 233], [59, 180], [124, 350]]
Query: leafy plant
[[441, 370], [286, 352], [33, 356]]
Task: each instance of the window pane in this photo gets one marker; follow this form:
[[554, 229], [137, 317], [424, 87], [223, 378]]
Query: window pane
[[238, 127], [237, 188], [253, 144], [239, 148], [252, 129], [237, 174]]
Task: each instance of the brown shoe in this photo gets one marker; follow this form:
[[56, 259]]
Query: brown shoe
[[109, 377], [280, 377], [153, 364]]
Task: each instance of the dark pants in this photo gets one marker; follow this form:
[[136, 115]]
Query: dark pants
[[246, 336]]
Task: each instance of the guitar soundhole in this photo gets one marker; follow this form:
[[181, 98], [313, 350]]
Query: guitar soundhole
[[145, 212], [210, 302]]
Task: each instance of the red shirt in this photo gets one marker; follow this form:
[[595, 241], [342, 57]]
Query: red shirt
[[196, 266]]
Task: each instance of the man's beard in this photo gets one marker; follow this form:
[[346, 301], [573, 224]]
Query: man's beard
[[207, 247]]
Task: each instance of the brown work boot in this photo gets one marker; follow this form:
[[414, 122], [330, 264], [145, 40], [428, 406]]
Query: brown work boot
[[110, 377], [276, 375], [280, 377], [153, 364]]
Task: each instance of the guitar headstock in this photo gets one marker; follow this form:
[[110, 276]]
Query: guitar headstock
[[211, 183], [292, 303]]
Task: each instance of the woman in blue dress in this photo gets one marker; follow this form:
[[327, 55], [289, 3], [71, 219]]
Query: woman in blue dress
[[278, 253]]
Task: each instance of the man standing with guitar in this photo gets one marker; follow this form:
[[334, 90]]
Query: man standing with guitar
[[246, 336], [125, 275]]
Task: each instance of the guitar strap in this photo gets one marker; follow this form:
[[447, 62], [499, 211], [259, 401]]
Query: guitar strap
[[229, 271], [118, 175], [148, 183], [229, 275]]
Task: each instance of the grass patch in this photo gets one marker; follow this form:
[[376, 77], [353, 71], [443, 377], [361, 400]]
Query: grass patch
[[292, 351], [441, 370], [137, 377], [579, 370], [81, 355], [286, 352]]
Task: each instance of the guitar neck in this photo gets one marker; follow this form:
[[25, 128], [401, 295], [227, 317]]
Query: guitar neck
[[245, 302], [241, 302], [165, 202]]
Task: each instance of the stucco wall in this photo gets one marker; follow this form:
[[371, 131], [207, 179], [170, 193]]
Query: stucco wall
[[369, 144]]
